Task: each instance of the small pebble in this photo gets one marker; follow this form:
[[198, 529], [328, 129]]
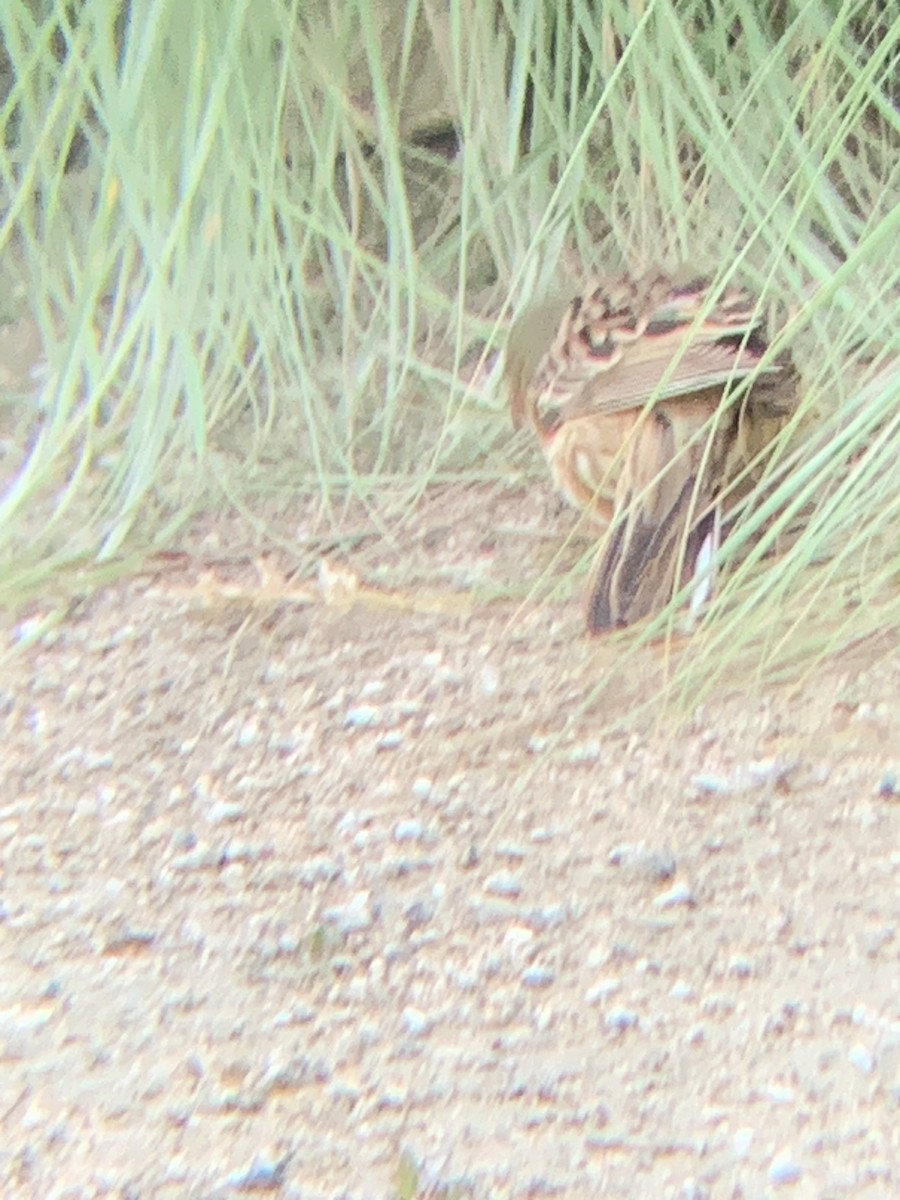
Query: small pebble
[[512, 850], [784, 1170], [495, 911], [620, 1019], [422, 787], [659, 865], [490, 679], [300, 1014], [232, 876], [203, 787], [587, 752], [31, 628], [96, 760], [517, 937], [624, 854], [352, 917], [548, 916], [503, 883], [889, 785], [177, 1170], [719, 1004], [344, 1089], [742, 1141], [288, 943], [417, 913], [656, 866], [538, 977], [392, 740], [276, 669], [416, 1022], [248, 733], [678, 894], [223, 811], [348, 822], [264, 1175], [770, 770], [319, 870], [410, 830], [692, 1190], [861, 1058], [712, 785], [362, 716], [860, 1015], [648, 966], [601, 989]]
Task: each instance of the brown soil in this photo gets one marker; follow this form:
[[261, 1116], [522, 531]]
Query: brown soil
[[330, 890]]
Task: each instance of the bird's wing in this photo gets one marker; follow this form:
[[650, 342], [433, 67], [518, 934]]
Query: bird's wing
[[620, 343]]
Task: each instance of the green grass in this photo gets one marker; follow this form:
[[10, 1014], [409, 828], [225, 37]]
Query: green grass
[[249, 258]]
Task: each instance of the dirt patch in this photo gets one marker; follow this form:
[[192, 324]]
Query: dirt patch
[[341, 900]]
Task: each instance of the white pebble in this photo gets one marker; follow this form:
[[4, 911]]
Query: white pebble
[[601, 989], [416, 1022], [352, 917], [410, 830], [392, 740], [248, 733], [223, 811], [784, 1170], [30, 629], [861, 1058], [363, 716], [490, 679], [621, 1019], [740, 966], [587, 752], [538, 977], [503, 883], [742, 1141], [679, 893]]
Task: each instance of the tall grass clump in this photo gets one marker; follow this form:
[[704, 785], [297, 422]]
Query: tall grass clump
[[271, 247]]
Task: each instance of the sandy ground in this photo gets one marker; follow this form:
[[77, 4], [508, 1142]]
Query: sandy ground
[[367, 898]]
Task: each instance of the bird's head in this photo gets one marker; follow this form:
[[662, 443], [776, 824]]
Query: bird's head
[[530, 337]]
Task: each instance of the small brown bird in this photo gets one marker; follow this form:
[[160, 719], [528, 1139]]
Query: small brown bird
[[649, 474]]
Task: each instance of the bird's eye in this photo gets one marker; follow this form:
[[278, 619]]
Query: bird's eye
[[603, 349], [550, 420]]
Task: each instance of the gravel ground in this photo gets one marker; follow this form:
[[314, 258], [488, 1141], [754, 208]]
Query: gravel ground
[[325, 900]]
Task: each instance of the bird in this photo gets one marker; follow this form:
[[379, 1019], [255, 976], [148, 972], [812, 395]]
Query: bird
[[630, 390]]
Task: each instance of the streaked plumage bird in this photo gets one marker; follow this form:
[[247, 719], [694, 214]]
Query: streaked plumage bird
[[650, 475]]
